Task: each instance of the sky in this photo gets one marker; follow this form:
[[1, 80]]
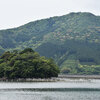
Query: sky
[[14, 13]]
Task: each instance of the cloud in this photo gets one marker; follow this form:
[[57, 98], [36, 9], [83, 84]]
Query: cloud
[[17, 12]]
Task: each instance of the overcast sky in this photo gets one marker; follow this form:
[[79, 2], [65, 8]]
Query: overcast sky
[[14, 13]]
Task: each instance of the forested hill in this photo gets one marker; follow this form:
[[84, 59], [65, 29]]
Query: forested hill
[[73, 40]]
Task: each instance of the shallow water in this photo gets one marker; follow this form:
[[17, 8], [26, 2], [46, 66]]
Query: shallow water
[[69, 89]]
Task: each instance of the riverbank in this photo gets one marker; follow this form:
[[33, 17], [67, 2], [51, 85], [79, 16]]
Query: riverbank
[[80, 76], [54, 79], [30, 80]]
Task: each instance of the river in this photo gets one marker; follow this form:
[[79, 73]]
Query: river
[[67, 89]]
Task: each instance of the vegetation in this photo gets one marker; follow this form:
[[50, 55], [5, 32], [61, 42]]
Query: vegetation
[[80, 69], [26, 64], [77, 26], [72, 40], [74, 57]]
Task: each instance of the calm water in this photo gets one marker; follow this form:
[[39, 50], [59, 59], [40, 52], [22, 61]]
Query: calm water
[[64, 90]]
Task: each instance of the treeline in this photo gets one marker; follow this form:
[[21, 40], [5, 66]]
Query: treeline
[[82, 70], [26, 64]]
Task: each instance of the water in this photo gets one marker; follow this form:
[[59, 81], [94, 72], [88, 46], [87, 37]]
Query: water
[[69, 89]]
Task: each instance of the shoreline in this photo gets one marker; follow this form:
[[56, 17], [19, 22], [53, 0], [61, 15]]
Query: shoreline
[[30, 80], [53, 79], [80, 76]]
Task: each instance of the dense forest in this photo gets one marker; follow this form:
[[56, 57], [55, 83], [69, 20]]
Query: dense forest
[[26, 64], [72, 40]]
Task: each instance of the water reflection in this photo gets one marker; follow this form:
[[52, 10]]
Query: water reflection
[[66, 83], [65, 90], [42, 95]]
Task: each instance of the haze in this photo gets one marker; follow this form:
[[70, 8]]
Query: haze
[[14, 13]]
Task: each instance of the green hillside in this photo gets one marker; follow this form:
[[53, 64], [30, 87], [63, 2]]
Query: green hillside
[[73, 40]]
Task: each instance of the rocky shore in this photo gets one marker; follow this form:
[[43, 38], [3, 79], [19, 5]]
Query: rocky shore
[[80, 76], [54, 79], [30, 80]]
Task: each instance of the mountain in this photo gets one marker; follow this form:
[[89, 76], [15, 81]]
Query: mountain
[[73, 40]]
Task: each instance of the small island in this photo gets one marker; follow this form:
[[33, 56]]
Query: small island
[[26, 64]]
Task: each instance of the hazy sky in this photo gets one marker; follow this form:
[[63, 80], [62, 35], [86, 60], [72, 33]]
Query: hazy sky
[[14, 13]]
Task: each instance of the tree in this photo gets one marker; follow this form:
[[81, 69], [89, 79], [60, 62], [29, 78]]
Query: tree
[[27, 64]]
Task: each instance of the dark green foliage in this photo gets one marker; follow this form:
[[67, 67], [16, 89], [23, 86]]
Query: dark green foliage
[[26, 50], [26, 64]]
